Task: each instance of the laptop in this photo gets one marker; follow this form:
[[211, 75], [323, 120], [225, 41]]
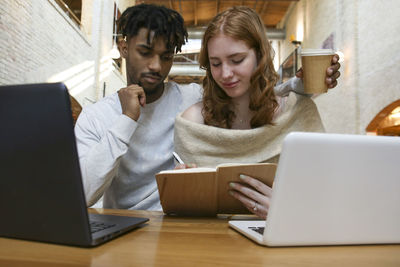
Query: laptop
[[332, 189], [41, 191]]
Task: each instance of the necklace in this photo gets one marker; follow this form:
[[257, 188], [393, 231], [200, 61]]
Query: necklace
[[242, 120]]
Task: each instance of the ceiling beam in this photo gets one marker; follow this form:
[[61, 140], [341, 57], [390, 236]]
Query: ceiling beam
[[195, 13], [180, 7], [272, 33], [255, 5], [264, 7]]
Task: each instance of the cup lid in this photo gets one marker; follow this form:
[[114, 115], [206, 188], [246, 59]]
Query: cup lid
[[316, 52]]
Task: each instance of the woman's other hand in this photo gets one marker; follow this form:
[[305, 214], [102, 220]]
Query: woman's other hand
[[254, 195]]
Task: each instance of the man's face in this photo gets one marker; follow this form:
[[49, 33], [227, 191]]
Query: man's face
[[147, 64]]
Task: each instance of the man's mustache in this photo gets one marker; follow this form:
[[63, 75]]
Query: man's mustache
[[151, 74]]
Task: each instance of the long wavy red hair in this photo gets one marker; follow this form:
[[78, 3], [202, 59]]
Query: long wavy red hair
[[240, 23]]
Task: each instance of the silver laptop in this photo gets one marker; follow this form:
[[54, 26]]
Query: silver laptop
[[41, 192], [332, 189]]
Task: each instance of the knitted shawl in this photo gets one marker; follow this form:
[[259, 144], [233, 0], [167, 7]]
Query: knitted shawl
[[209, 146]]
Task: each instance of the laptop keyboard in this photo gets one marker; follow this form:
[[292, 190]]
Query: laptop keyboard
[[98, 226], [259, 230]]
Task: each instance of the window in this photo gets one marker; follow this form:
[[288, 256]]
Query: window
[[73, 8], [289, 67], [116, 39]]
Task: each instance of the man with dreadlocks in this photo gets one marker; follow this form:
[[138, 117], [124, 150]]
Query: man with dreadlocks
[[126, 138]]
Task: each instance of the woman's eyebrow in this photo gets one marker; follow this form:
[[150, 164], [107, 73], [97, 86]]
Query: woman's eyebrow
[[217, 58], [238, 54], [232, 55]]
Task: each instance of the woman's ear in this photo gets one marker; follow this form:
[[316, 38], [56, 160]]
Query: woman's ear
[[123, 47]]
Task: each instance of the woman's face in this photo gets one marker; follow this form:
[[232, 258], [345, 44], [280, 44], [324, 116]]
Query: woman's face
[[232, 63]]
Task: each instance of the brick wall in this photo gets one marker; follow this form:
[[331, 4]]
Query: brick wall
[[40, 43]]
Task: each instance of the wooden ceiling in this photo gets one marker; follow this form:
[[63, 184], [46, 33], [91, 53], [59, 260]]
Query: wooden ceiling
[[200, 12]]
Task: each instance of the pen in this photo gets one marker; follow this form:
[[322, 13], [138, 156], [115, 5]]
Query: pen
[[177, 158]]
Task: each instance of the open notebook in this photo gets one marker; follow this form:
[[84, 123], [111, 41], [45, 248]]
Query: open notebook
[[332, 189], [41, 192], [204, 191]]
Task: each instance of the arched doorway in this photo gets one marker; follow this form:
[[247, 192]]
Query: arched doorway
[[387, 121]]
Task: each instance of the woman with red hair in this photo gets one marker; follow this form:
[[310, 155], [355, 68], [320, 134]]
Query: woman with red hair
[[241, 119]]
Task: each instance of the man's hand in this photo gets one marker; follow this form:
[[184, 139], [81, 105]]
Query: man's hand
[[332, 73], [131, 98]]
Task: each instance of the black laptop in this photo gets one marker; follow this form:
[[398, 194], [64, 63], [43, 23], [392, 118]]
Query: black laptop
[[41, 191]]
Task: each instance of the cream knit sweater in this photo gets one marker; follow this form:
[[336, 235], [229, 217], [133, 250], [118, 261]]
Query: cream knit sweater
[[209, 146]]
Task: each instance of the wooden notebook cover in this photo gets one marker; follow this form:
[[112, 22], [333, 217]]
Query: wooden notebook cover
[[264, 172], [191, 193]]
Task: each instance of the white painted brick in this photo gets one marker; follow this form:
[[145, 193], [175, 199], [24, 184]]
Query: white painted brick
[[39, 41]]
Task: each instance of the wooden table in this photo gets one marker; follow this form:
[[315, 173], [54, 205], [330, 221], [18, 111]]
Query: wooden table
[[173, 241]]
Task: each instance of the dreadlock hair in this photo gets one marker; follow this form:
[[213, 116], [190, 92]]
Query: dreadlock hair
[[240, 23], [164, 22]]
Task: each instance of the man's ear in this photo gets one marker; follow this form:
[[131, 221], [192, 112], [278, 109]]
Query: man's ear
[[123, 47]]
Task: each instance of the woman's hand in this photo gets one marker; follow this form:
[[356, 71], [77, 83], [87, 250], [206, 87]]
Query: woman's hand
[[332, 72], [254, 195]]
